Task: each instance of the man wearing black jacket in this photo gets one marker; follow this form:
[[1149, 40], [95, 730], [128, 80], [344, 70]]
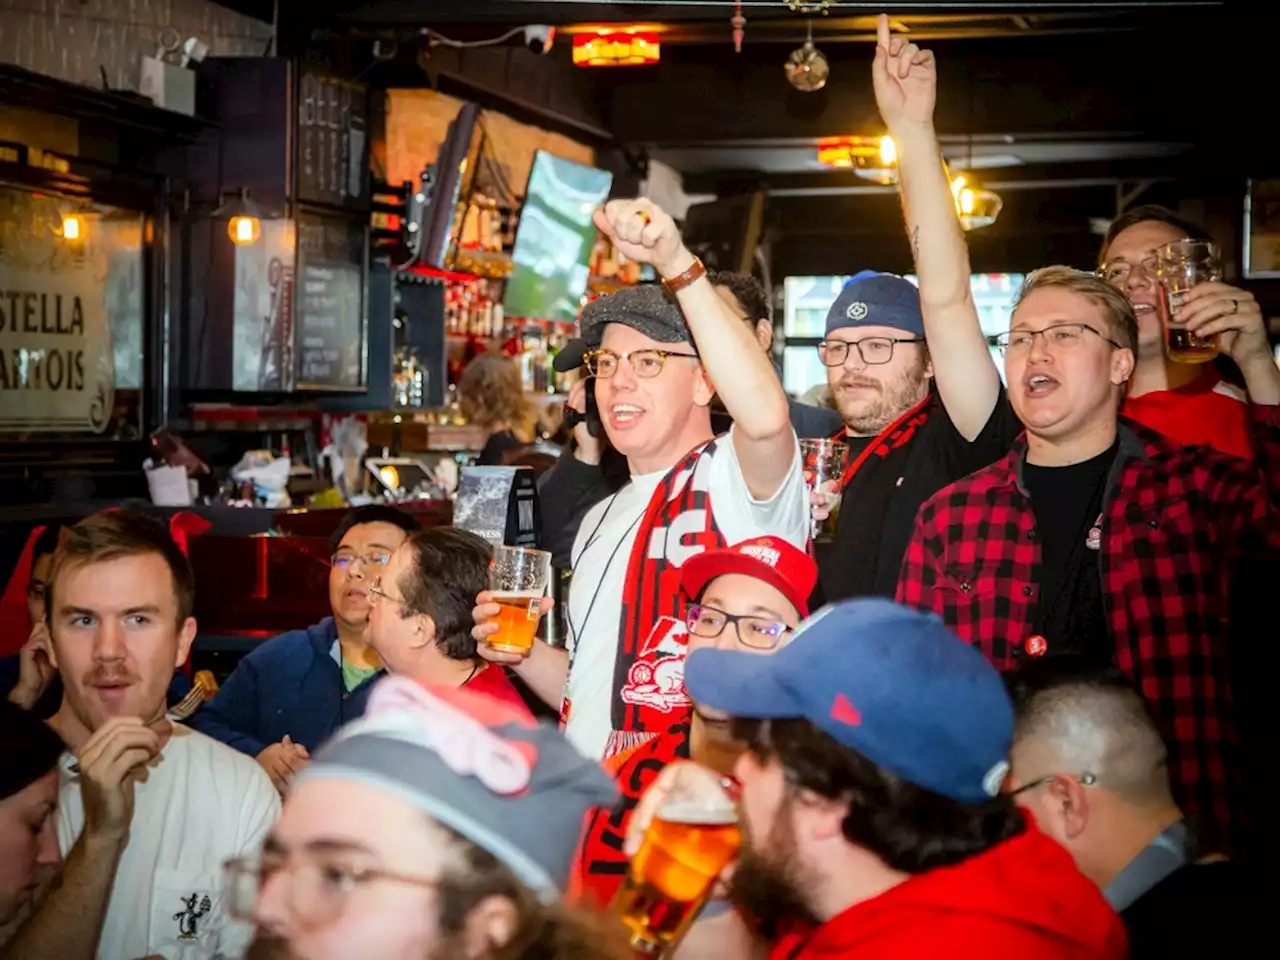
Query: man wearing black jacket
[[592, 470]]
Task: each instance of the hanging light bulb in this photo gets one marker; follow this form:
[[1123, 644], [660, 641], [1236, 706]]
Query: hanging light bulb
[[244, 219], [807, 68], [72, 228], [976, 208]]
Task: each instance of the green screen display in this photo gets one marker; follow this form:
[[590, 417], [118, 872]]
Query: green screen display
[[555, 238]]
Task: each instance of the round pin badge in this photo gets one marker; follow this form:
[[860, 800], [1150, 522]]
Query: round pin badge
[[1036, 646]]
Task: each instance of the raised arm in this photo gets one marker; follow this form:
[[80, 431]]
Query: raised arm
[[906, 80], [737, 367]]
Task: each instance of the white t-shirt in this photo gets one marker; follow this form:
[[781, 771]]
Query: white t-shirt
[[602, 553], [201, 804]]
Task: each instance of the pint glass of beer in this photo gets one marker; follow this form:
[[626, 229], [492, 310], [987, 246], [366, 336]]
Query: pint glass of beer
[[693, 837], [824, 466], [1179, 267], [518, 578]]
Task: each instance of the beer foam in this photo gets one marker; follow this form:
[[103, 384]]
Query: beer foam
[[697, 816], [516, 594]]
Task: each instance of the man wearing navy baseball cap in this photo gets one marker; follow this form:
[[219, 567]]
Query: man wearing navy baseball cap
[[905, 443], [873, 823]]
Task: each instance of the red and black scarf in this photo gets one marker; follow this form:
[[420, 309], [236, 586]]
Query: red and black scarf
[[648, 676], [601, 861], [895, 435]]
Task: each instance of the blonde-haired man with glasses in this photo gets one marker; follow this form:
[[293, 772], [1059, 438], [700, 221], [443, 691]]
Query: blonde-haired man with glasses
[[291, 692]]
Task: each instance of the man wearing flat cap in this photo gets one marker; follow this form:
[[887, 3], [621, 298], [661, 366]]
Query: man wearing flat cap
[[657, 355]]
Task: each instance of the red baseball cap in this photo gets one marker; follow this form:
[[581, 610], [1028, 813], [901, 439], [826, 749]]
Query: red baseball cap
[[787, 569]]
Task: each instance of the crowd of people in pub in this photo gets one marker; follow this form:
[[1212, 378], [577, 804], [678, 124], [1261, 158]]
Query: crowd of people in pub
[[1008, 712]]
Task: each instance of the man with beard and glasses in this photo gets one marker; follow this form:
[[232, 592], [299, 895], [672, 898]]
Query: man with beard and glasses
[[441, 826], [747, 597], [873, 823], [908, 369], [120, 597], [1187, 402]]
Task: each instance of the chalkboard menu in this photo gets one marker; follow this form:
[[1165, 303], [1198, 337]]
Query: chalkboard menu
[[333, 146], [330, 303]]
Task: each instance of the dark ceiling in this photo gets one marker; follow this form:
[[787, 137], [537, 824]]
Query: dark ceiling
[[1090, 102]]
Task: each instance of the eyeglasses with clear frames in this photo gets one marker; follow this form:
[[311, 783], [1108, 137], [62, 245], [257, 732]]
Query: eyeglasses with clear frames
[[1118, 271], [344, 560], [645, 364], [317, 890], [1060, 336], [874, 351], [758, 633], [379, 594]]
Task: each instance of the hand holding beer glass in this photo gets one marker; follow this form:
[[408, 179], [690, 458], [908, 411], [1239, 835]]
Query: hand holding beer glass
[[824, 463], [518, 579], [1181, 265], [690, 835]]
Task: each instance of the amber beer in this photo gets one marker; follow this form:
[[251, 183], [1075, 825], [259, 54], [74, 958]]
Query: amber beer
[[1181, 265], [518, 615], [518, 578], [671, 877]]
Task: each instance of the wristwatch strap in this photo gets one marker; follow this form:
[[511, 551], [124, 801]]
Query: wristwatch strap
[[697, 270]]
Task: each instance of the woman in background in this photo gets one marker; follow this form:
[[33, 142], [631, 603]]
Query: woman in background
[[491, 394]]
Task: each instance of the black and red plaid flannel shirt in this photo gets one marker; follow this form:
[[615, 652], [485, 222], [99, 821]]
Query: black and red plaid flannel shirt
[[1174, 521]]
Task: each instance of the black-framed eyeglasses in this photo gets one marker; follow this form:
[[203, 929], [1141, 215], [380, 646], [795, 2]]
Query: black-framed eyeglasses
[[1118, 271], [345, 560], [1059, 336], [758, 633], [645, 364], [1084, 779], [318, 888], [874, 351]]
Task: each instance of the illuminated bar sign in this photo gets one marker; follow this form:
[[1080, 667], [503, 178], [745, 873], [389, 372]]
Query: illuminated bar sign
[[616, 48], [57, 364]]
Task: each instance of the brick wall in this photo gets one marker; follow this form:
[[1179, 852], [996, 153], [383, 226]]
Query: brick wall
[[79, 40]]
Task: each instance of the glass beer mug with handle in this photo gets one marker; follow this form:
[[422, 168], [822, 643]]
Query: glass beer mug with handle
[[691, 839], [1181, 265], [518, 579]]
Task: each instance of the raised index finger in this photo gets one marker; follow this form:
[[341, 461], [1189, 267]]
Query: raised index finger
[[882, 31]]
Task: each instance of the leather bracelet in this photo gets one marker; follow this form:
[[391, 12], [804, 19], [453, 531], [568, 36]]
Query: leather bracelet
[[697, 270]]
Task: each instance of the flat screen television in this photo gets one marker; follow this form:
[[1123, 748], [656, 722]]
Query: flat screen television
[[555, 238]]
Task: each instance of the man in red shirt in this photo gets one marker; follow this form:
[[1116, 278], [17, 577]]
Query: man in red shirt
[[1187, 402], [420, 619], [748, 597], [873, 823]]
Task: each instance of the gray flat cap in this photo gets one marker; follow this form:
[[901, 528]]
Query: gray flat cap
[[647, 308]]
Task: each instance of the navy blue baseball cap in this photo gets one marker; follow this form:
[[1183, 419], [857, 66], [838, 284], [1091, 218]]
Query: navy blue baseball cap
[[877, 300], [892, 684]]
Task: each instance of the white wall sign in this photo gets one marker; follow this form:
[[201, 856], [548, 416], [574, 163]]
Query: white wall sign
[[57, 366]]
